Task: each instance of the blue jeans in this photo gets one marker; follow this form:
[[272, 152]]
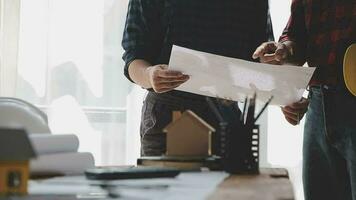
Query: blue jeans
[[329, 149]]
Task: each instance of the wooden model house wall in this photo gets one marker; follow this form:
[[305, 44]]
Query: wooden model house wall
[[188, 135], [15, 153]]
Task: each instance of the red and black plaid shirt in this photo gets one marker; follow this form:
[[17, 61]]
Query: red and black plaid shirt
[[322, 29]]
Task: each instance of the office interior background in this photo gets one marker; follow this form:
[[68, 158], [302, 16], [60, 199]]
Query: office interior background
[[65, 57]]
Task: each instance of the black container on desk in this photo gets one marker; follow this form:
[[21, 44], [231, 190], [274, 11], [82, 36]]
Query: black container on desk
[[239, 148], [239, 141]]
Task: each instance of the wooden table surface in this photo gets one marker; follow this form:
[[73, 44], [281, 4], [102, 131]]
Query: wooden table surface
[[270, 184]]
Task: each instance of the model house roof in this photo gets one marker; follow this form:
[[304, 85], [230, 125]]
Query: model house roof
[[195, 118], [15, 145]]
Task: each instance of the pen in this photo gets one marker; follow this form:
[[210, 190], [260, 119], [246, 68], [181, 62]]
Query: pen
[[214, 109], [251, 110], [242, 117], [264, 108]]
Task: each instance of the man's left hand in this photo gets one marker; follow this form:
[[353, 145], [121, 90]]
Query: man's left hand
[[295, 111]]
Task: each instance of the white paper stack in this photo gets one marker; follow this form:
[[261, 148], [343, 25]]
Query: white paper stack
[[58, 155]]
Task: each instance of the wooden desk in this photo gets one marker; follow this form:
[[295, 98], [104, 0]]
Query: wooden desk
[[271, 184]]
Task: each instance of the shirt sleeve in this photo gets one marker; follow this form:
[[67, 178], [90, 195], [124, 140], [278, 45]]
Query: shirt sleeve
[[143, 32], [296, 30]]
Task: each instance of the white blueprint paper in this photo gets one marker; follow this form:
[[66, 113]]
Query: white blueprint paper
[[234, 79], [187, 186]]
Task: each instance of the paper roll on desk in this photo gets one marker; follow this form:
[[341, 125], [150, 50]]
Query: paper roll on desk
[[350, 69], [58, 155], [62, 164], [51, 144]]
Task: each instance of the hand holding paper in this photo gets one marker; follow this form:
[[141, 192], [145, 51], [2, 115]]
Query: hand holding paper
[[231, 78], [164, 80]]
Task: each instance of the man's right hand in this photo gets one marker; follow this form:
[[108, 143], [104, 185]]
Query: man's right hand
[[163, 80], [272, 53]]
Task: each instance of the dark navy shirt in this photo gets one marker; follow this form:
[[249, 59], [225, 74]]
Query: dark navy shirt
[[233, 28]]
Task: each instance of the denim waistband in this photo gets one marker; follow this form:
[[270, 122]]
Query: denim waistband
[[325, 88]]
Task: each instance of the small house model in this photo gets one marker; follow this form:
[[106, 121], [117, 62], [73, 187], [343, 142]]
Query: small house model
[[188, 135], [15, 153]]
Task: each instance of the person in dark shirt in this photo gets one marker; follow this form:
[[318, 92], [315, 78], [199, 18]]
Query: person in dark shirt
[[231, 28], [319, 32]]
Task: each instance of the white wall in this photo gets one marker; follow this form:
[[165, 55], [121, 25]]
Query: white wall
[[284, 140]]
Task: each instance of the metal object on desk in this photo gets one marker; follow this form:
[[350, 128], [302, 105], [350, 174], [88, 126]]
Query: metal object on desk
[[239, 140], [240, 149], [236, 144]]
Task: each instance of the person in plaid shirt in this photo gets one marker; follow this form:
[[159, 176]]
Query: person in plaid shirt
[[214, 26], [318, 33]]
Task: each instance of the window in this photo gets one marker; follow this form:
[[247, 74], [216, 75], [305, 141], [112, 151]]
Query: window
[[70, 66]]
